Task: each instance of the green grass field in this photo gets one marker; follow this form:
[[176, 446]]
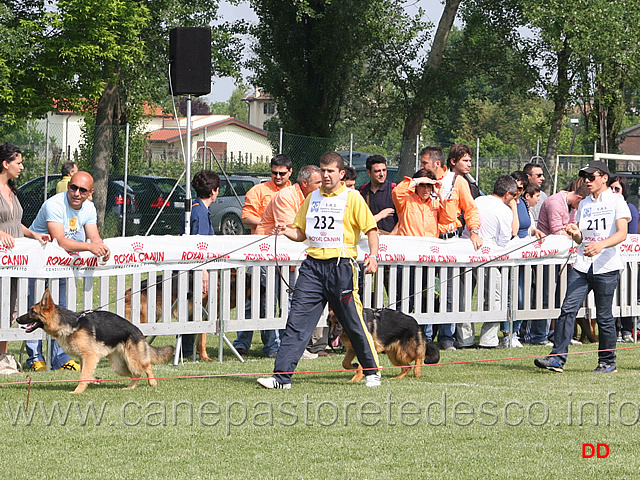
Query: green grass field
[[494, 419]]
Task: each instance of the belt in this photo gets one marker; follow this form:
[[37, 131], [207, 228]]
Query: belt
[[451, 234]]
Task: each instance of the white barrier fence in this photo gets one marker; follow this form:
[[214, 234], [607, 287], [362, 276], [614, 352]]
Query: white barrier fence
[[437, 281]]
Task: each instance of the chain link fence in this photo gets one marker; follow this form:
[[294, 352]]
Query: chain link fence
[[224, 145]]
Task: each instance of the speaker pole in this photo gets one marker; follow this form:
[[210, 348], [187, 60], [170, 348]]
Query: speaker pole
[[187, 212]]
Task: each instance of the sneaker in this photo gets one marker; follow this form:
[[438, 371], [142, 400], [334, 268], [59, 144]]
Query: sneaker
[[549, 363], [271, 382], [627, 338], [71, 365], [515, 342], [308, 355], [544, 343], [605, 368], [39, 366], [575, 341], [372, 380]]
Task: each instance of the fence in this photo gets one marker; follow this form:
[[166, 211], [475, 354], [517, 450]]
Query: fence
[[478, 282]]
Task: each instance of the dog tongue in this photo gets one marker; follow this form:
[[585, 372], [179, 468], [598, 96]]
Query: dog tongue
[[335, 343], [31, 327]]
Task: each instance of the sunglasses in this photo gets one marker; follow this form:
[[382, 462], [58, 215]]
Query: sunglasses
[[538, 175], [74, 188], [591, 176], [279, 174]]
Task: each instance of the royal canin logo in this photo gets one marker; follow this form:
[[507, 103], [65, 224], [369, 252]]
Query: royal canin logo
[[382, 247], [634, 239], [137, 246], [537, 245], [3, 249], [202, 245], [485, 250], [435, 249], [264, 247]]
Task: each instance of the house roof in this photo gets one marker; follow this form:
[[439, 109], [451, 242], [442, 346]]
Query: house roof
[[259, 95], [171, 135], [632, 131]]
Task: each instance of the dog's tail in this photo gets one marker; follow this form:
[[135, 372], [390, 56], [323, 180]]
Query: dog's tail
[[160, 355]]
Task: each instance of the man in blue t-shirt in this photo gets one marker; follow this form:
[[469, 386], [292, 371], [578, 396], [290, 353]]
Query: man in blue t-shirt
[[207, 185], [71, 220]]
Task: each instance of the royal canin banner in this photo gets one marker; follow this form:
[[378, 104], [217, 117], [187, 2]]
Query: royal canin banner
[[143, 254]]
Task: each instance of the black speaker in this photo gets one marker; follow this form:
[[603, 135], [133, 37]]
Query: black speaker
[[190, 59]]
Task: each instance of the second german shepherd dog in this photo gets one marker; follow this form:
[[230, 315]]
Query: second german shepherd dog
[[93, 335], [393, 332]]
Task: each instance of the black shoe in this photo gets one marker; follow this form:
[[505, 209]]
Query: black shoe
[[550, 363]]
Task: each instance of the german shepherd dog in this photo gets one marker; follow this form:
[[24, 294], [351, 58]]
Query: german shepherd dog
[[201, 347], [393, 332], [94, 335]]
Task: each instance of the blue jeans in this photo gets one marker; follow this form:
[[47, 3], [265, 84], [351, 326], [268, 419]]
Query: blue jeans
[[34, 347], [270, 338], [578, 287]]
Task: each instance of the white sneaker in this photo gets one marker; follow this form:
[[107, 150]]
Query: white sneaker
[[273, 383], [372, 380], [308, 355], [515, 342]]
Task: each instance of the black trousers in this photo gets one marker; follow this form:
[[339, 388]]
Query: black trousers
[[321, 281]]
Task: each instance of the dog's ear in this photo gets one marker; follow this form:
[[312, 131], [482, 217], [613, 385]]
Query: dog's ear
[[47, 300]]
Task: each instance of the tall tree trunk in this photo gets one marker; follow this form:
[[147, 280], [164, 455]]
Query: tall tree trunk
[[103, 142], [413, 121], [560, 99]]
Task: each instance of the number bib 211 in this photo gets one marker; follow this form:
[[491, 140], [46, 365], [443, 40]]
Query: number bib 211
[[596, 221]]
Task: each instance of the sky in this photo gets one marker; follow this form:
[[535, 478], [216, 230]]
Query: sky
[[222, 88]]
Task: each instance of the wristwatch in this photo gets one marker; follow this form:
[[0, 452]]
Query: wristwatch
[[376, 257], [476, 231]]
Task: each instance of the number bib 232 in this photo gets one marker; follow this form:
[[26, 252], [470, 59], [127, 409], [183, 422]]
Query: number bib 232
[[325, 218]]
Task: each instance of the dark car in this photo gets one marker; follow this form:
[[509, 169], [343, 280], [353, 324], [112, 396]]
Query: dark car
[[151, 194], [31, 196], [363, 176]]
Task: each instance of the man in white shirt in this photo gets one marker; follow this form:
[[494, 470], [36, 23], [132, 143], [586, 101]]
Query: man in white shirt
[[601, 224], [496, 227]]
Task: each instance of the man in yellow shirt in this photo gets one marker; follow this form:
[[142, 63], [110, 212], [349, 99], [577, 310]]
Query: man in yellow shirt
[[331, 219], [67, 170]]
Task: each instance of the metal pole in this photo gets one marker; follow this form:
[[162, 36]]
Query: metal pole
[[46, 160], [280, 151], [417, 153], [204, 150], [126, 181], [351, 149], [187, 211], [477, 159]]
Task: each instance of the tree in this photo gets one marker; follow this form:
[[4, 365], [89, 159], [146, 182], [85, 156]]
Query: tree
[[307, 54], [110, 57]]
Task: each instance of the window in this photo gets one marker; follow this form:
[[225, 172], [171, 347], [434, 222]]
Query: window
[[269, 108]]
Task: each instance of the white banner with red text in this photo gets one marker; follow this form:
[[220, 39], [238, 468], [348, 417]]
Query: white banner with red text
[[142, 254]]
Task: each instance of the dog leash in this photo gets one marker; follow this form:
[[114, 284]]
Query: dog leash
[[195, 267], [470, 269]]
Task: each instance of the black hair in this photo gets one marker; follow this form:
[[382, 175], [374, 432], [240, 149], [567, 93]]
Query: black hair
[[8, 153], [204, 182], [373, 159]]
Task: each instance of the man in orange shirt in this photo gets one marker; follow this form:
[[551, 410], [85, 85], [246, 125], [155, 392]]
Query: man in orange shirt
[[286, 203], [255, 204], [258, 197]]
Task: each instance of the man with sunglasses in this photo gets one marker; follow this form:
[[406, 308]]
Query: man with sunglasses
[[601, 224], [71, 220], [536, 176]]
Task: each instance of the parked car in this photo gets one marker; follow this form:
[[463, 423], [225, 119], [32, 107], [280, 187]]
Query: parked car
[[363, 176], [31, 196], [226, 211], [151, 194]]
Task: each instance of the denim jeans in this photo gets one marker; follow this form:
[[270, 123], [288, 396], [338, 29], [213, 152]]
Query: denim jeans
[[270, 338], [578, 287]]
